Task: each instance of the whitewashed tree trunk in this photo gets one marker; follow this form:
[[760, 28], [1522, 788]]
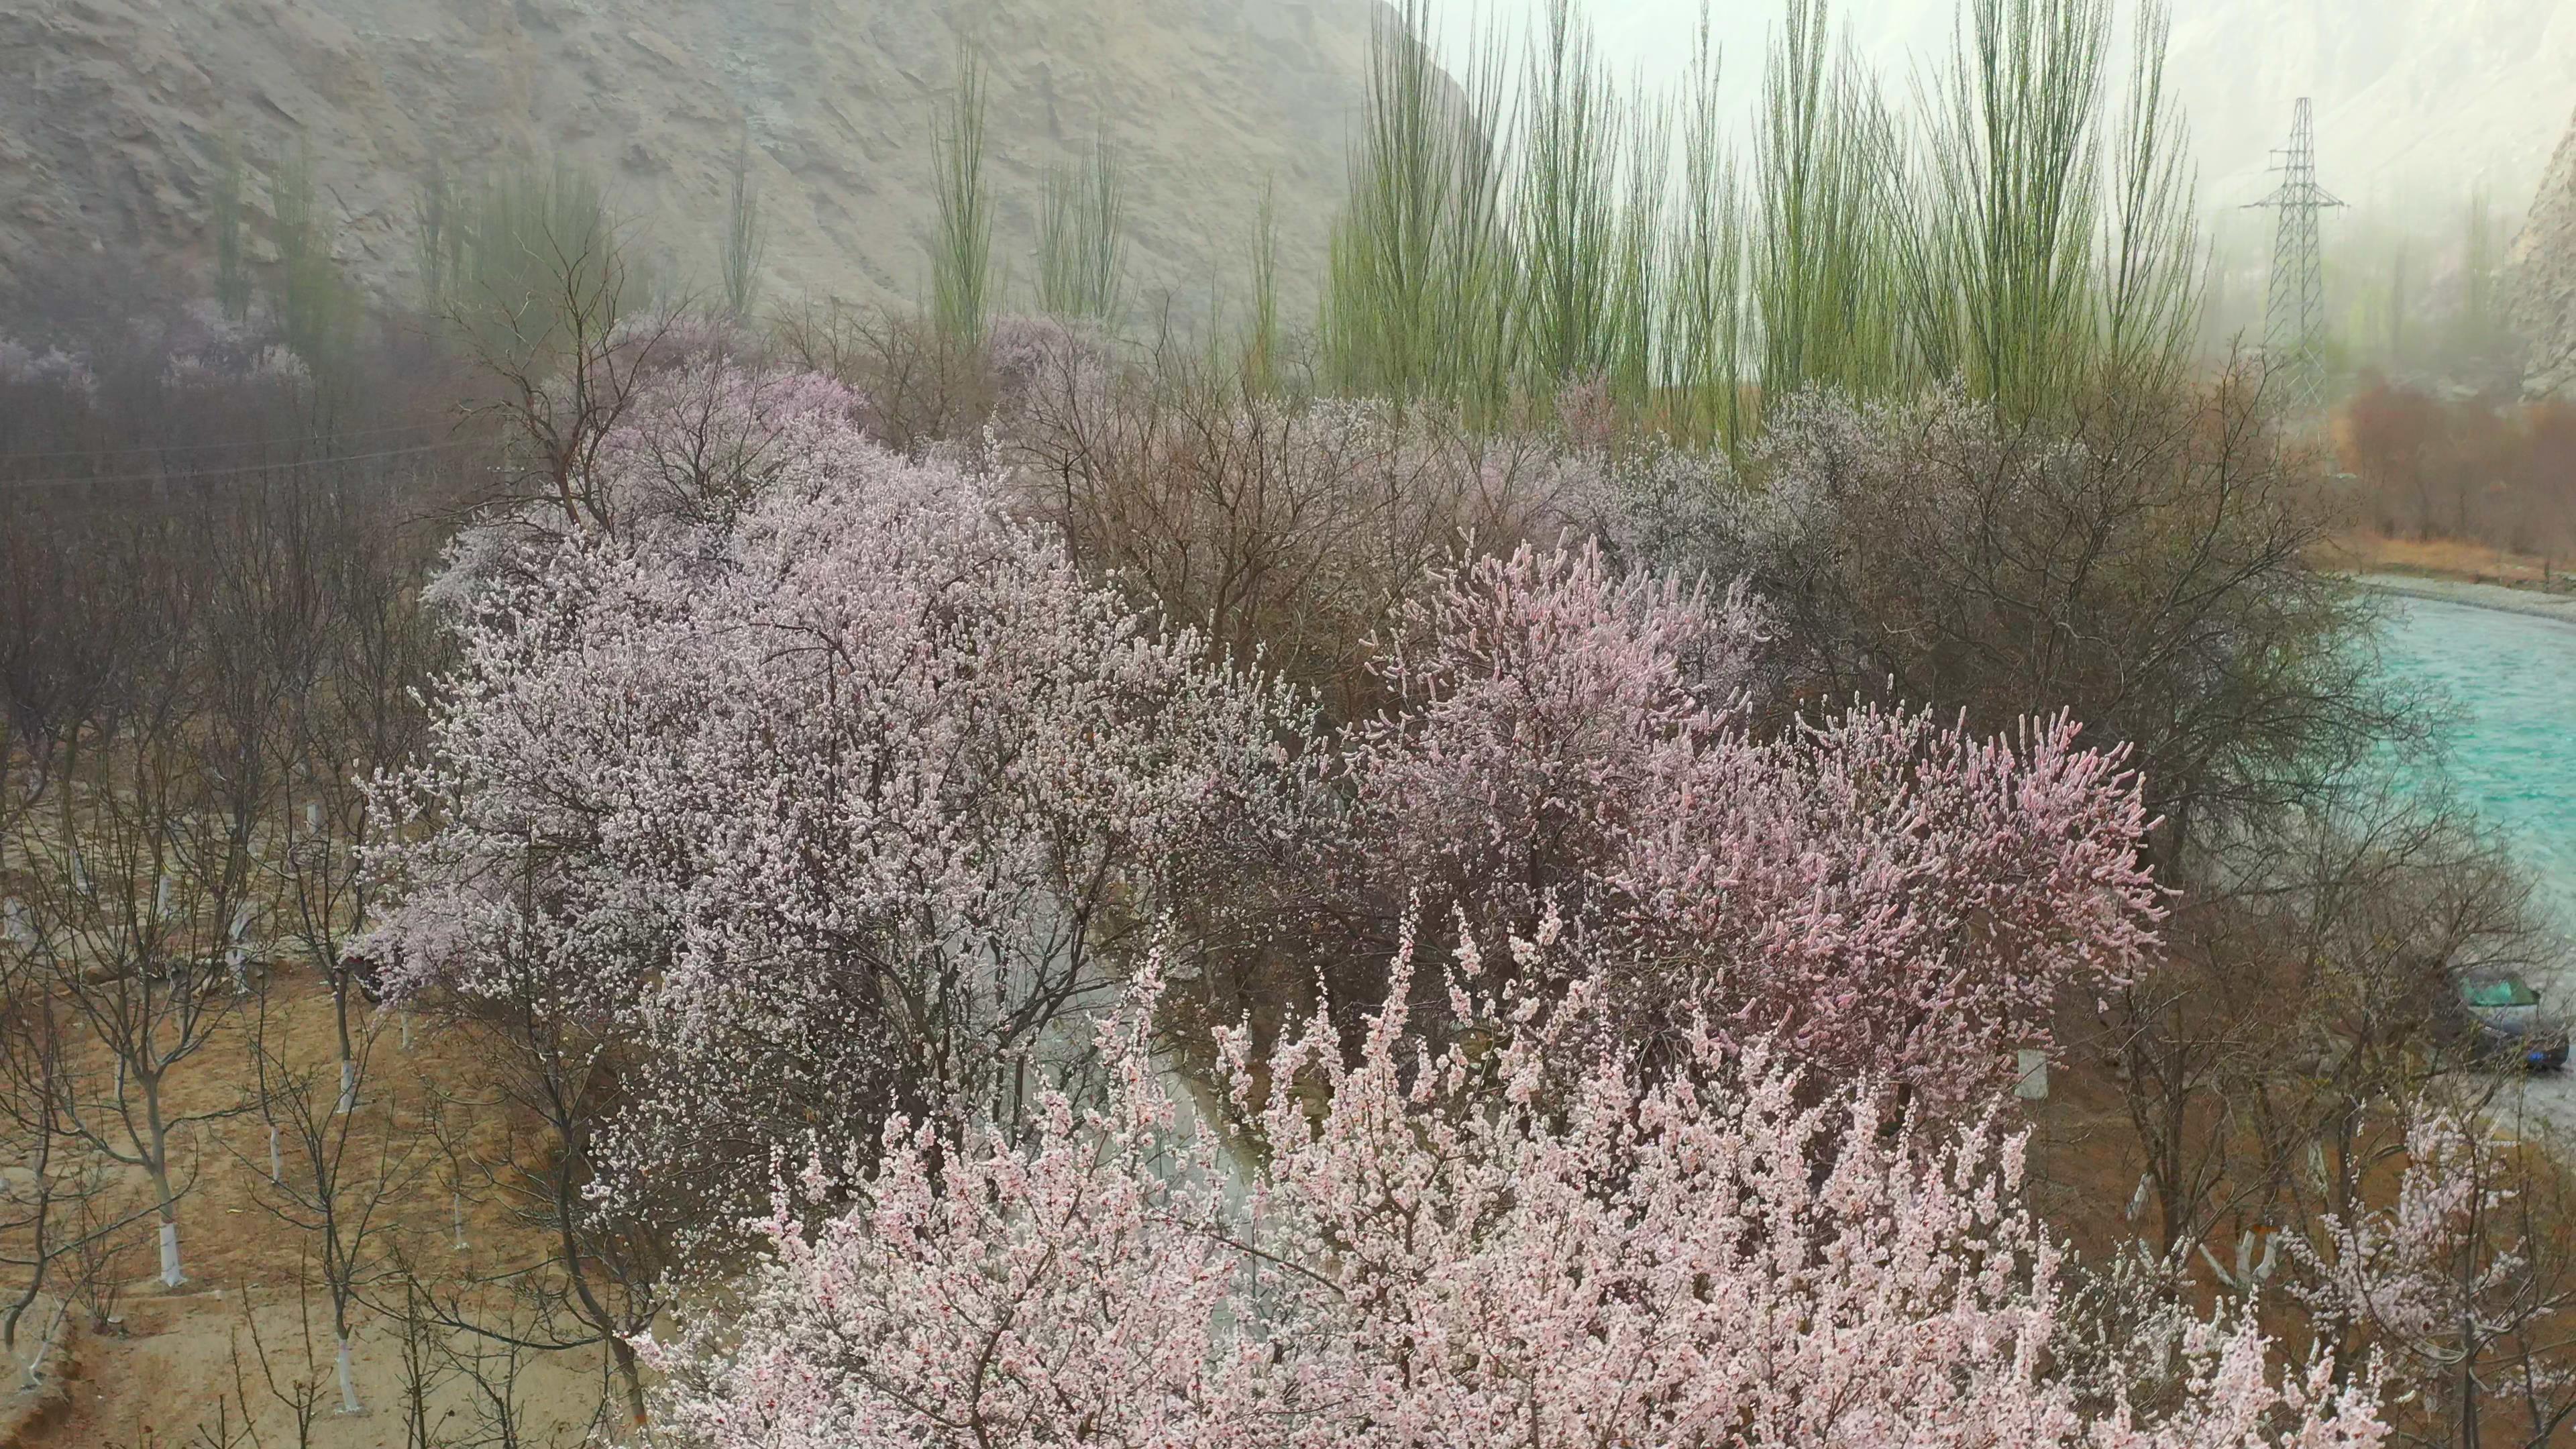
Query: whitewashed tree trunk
[[2033, 1083], [45, 1342], [348, 1382], [168, 1200], [348, 1088], [276, 1158]]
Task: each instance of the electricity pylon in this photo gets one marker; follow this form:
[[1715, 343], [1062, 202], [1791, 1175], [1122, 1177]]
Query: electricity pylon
[[2294, 313]]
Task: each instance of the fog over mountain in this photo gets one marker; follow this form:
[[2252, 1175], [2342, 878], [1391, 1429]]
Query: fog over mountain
[[113, 113], [2411, 95]]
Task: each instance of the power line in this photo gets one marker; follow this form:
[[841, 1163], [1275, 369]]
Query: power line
[[198, 475], [209, 447]]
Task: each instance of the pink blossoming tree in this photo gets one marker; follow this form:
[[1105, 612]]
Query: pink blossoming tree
[[1454, 1246], [810, 804], [822, 780], [1887, 895]]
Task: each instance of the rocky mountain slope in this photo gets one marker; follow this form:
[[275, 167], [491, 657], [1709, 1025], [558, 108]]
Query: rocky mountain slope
[[111, 114], [2541, 277]]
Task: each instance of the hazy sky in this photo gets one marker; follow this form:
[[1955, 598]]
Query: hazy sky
[[2413, 96]]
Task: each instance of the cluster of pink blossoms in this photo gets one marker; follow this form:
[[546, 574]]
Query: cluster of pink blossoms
[[1432, 1249], [1876, 893], [821, 775]]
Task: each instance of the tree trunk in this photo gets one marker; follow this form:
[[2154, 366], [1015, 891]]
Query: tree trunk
[[45, 1342], [40, 1251], [171, 1277], [348, 1051], [348, 1382], [2468, 1405], [630, 1376]]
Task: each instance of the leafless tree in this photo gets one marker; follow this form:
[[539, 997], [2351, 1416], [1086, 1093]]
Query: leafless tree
[[2308, 1000], [294, 1384], [348, 707], [1284, 531], [135, 906], [2147, 564], [921, 385], [2183, 1043], [101, 1252], [545, 305], [347, 1170], [493, 1367], [421, 1344], [601, 1278], [57, 1211]]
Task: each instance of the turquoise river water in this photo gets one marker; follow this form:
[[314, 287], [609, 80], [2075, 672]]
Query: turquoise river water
[[2512, 750]]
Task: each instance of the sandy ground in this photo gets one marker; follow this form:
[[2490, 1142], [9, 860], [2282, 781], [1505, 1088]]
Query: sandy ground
[[2540, 1106], [178, 1367]]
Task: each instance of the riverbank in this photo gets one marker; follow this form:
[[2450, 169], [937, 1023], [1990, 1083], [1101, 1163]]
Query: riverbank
[[2511, 681], [2499, 597], [2450, 559]]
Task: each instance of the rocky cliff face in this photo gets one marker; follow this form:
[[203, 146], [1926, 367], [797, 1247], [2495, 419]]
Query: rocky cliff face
[[2540, 282], [111, 113]]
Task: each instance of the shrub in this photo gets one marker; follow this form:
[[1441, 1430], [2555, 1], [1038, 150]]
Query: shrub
[[2145, 563]]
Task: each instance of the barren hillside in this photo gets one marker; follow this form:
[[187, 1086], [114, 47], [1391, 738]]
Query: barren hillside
[[111, 114]]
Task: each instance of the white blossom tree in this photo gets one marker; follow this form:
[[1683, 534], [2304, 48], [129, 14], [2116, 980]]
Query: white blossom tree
[[820, 792], [2463, 1279]]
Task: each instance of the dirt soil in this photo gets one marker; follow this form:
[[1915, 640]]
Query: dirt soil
[[178, 1367]]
